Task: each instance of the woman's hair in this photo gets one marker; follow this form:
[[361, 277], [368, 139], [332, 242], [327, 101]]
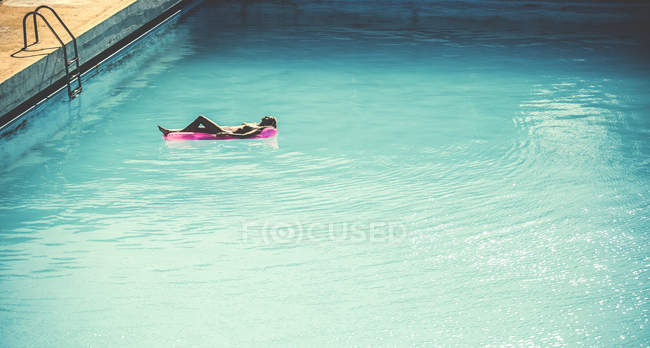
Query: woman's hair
[[268, 121]]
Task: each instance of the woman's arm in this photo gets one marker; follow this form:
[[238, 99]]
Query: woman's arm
[[246, 134]]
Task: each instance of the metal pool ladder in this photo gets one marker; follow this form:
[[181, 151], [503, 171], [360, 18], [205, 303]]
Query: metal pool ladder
[[70, 74]]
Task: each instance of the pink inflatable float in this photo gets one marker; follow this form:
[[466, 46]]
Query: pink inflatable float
[[265, 133]]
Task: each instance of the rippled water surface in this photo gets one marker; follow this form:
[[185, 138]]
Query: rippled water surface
[[442, 175]]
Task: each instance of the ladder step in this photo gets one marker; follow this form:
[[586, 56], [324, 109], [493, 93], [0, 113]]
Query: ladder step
[[73, 76], [76, 92], [73, 60]]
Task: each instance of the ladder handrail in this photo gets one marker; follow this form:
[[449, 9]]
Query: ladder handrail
[[34, 13], [67, 62], [74, 39]]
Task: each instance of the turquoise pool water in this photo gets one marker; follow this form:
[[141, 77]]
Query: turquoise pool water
[[445, 173]]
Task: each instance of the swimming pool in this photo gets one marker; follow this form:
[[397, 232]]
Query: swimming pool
[[444, 173]]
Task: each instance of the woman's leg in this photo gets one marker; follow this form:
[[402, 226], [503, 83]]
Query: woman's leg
[[203, 125]]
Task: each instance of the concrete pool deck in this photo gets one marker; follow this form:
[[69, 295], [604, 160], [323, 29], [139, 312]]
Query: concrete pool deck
[[97, 25]]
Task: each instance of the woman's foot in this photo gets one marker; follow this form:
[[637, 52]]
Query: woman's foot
[[164, 131]]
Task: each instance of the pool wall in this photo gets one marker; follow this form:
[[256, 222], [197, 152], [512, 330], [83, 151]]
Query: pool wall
[[39, 80]]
